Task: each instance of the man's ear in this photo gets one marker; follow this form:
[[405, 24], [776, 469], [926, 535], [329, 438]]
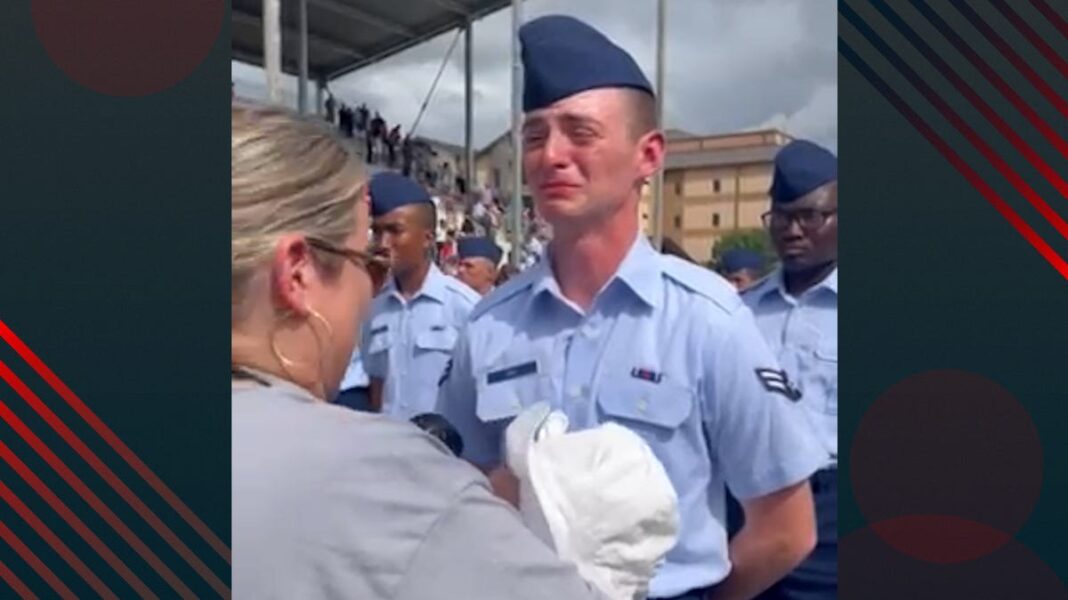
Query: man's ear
[[652, 148], [292, 267]]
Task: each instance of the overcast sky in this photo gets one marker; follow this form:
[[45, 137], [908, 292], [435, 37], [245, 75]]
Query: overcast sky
[[731, 65]]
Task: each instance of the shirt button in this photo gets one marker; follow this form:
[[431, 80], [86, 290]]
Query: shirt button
[[643, 405], [516, 405], [575, 391]]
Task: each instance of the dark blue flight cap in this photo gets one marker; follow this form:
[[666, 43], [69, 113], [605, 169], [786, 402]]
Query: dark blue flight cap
[[733, 261], [479, 247], [801, 167], [390, 191], [563, 56]]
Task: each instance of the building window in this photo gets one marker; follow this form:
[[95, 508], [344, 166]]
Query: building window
[[497, 178], [715, 185], [715, 219], [678, 221], [678, 187]]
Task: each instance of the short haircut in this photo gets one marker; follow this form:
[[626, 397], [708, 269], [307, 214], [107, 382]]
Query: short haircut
[[426, 215], [642, 107]]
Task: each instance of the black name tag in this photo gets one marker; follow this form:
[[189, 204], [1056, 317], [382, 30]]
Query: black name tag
[[512, 372], [380, 329]]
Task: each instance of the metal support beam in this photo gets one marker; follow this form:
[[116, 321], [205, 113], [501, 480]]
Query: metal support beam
[[469, 110], [516, 207], [272, 49], [453, 7], [318, 40], [302, 79], [658, 181], [320, 87], [365, 17]]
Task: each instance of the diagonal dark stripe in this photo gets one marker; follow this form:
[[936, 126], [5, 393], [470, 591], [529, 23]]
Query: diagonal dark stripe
[[91, 499], [1053, 16], [954, 159], [1012, 56], [996, 80], [53, 540], [73, 521], [1006, 171], [991, 116], [35, 563], [1031, 35], [113, 441], [15, 583], [113, 480]]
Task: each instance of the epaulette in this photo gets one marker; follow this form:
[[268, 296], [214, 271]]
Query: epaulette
[[503, 293], [702, 281]]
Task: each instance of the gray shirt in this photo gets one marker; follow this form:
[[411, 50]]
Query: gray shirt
[[332, 503]]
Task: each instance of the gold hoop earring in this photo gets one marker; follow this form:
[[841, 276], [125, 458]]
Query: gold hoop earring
[[289, 366]]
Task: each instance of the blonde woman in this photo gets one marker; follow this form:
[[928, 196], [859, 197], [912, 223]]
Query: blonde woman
[[329, 502]]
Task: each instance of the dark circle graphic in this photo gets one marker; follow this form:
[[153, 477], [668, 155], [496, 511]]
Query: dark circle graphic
[[127, 47], [870, 569], [947, 459], [940, 538]]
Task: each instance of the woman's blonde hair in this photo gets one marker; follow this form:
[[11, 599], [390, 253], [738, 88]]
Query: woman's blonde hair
[[288, 174]]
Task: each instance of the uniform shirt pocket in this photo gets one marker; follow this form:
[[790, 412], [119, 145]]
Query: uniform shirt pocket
[[653, 410], [826, 375], [505, 389], [439, 340]]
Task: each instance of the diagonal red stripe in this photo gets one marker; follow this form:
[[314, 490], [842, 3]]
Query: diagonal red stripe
[[15, 583], [1013, 57], [90, 498], [101, 469], [954, 159], [113, 440], [1032, 36], [991, 75], [53, 540], [947, 111], [1053, 16], [35, 563], [991, 116], [75, 523]]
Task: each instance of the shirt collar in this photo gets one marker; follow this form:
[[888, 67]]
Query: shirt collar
[[775, 283], [639, 272], [434, 286]]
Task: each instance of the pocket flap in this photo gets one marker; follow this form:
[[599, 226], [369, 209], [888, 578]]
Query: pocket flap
[[437, 339], [663, 404]]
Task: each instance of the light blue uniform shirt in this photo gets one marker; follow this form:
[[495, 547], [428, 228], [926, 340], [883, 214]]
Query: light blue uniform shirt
[[803, 334], [356, 375], [407, 343], [667, 349]]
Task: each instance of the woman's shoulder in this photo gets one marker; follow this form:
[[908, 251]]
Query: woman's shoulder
[[341, 443]]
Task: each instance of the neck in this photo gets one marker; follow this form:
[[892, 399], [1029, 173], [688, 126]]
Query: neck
[[584, 259], [798, 282], [411, 281], [252, 353]]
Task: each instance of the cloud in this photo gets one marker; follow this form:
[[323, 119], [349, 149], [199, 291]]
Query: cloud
[[731, 65]]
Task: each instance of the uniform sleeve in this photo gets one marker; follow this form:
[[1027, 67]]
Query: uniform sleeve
[[480, 549], [457, 402], [760, 437]]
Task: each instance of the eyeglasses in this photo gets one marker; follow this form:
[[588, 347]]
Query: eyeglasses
[[809, 220], [374, 265]]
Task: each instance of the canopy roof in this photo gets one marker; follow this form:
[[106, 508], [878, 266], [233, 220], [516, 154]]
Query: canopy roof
[[344, 35]]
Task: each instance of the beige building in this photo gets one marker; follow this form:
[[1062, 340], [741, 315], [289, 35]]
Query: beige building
[[713, 185], [493, 165]]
